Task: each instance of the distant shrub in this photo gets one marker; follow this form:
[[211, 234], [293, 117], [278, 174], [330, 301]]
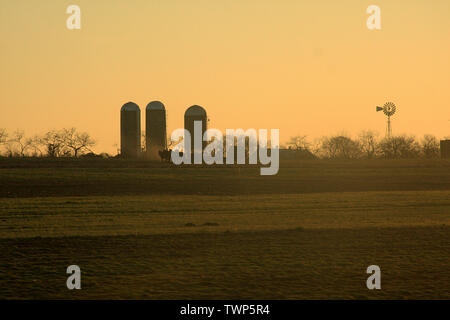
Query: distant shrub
[[399, 147], [91, 155], [430, 146], [189, 224], [340, 147], [211, 224]]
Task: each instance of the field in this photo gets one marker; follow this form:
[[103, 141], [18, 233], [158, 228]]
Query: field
[[155, 231]]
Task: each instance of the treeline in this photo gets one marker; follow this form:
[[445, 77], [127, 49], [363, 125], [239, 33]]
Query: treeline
[[54, 143], [367, 145]]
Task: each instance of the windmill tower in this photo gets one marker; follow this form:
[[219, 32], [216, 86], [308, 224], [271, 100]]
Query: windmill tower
[[389, 110]]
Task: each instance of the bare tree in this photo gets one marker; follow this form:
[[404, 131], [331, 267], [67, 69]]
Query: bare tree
[[11, 150], [340, 147], [299, 143], [3, 136], [36, 146], [430, 146], [368, 143], [22, 143], [399, 147], [77, 142], [316, 146], [53, 143]]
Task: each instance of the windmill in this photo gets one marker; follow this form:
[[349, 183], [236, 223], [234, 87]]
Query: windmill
[[389, 110]]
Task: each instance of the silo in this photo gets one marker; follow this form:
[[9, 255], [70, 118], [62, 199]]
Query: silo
[[130, 130], [195, 113], [155, 129], [445, 149]]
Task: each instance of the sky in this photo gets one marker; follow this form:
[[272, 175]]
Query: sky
[[305, 67]]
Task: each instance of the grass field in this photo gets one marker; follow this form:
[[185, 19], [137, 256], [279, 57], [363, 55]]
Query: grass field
[[153, 231]]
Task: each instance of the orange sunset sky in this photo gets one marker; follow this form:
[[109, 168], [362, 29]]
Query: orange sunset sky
[[305, 67]]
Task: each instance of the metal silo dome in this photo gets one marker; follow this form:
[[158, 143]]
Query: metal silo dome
[[130, 106], [155, 105], [195, 111]]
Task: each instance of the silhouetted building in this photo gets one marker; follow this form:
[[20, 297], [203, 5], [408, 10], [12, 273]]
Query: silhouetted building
[[195, 113], [155, 129], [130, 130], [445, 149]]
